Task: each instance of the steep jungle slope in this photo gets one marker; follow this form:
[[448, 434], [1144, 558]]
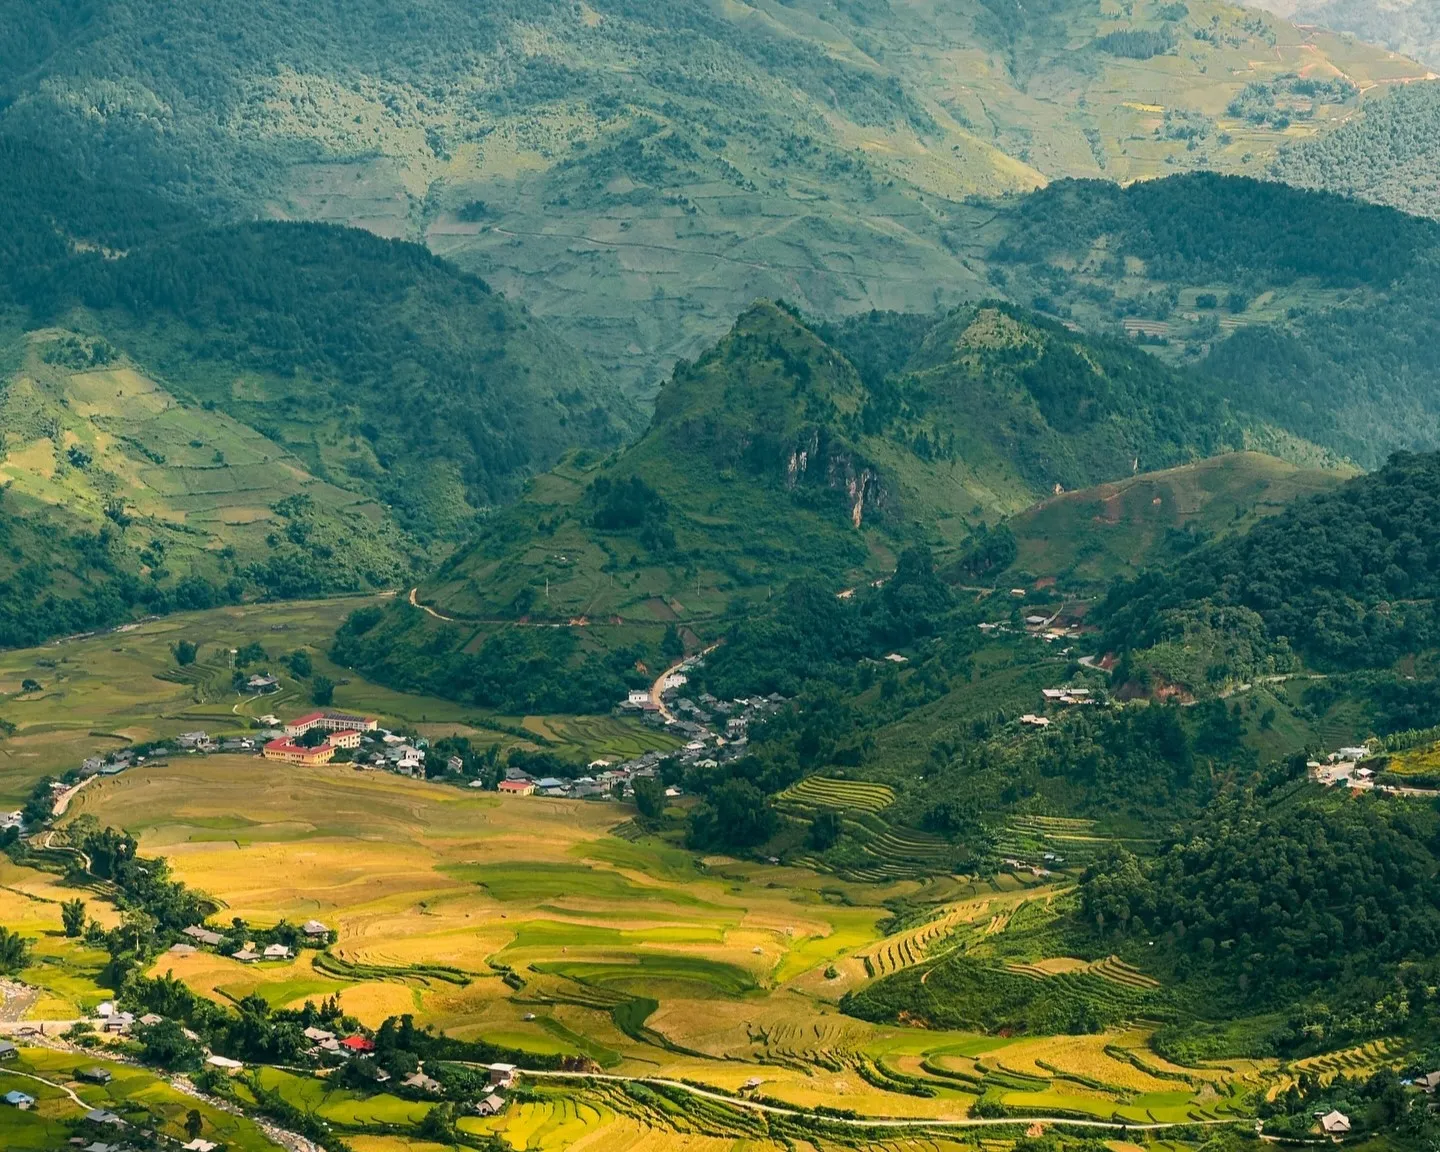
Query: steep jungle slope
[[640, 171]]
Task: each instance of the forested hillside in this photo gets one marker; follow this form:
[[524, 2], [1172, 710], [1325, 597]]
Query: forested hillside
[[775, 455], [638, 171], [1386, 156], [1340, 581], [268, 408], [1314, 311]]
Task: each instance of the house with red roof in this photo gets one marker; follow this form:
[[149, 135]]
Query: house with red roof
[[330, 722], [357, 1044]]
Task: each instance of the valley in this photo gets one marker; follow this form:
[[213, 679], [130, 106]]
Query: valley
[[790, 576]]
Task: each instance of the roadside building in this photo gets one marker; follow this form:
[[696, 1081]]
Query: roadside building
[[288, 752], [1335, 1124]]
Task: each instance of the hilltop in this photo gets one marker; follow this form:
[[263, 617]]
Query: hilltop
[[638, 171], [1085, 539], [1341, 581], [773, 457]]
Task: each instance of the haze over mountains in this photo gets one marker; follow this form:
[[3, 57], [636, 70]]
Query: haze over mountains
[[639, 173]]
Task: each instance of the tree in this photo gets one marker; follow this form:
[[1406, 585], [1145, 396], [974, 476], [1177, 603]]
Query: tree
[[301, 664], [735, 815], [252, 653], [194, 1124], [322, 691], [165, 1045], [14, 951], [185, 652], [671, 646], [824, 831], [72, 915], [650, 798]]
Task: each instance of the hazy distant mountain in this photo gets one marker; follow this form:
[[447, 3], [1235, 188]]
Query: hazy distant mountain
[[1410, 27], [639, 171]]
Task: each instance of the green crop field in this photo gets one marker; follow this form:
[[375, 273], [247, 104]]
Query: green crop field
[[630, 950]]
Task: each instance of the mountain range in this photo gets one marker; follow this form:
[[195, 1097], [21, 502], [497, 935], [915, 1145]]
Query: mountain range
[[639, 172]]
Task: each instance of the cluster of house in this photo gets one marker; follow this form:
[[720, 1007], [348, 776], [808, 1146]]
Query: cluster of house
[[1347, 769], [1061, 698], [370, 745], [341, 729], [697, 720], [326, 1043], [314, 931]]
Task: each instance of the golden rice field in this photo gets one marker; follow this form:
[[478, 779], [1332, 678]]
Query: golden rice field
[[744, 962]]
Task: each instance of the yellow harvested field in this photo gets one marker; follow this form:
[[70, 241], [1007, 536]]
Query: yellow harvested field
[[1080, 1056]]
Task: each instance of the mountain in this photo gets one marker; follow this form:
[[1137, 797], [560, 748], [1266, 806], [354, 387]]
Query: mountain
[[1410, 27], [263, 408], [1340, 581], [1386, 156], [636, 171], [1315, 312], [380, 363], [774, 456]]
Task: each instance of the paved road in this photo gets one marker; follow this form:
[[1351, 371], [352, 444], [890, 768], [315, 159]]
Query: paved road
[[876, 1122]]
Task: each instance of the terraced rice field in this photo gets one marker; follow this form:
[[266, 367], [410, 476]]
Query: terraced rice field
[[1112, 968], [1358, 1061], [910, 948], [841, 795]]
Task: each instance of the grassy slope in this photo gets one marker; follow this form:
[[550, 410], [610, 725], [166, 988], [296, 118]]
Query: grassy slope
[[810, 151], [1091, 536], [197, 487]]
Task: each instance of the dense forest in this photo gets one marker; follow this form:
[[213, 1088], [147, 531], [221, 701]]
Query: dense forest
[[1386, 156], [1342, 580]]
